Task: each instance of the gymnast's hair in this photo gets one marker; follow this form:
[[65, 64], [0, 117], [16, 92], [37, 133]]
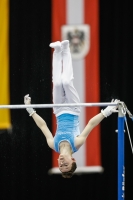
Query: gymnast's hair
[[69, 174]]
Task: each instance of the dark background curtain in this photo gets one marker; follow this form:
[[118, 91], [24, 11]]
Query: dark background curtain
[[25, 157]]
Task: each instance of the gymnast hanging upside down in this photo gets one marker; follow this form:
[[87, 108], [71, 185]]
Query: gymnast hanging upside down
[[68, 138]]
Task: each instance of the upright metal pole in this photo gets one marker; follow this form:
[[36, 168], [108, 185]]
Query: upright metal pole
[[121, 159]]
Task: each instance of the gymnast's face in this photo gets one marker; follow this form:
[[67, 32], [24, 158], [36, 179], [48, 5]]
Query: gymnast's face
[[65, 163]]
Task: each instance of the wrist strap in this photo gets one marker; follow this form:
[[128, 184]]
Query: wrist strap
[[102, 111], [31, 111]]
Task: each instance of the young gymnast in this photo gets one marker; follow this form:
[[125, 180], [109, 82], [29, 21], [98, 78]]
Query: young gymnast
[[67, 138]]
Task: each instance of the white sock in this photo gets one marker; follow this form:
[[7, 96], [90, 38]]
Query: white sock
[[65, 44], [56, 46]]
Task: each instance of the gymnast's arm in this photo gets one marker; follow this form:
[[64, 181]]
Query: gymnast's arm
[[39, 122], [93, 122], [45, 130]]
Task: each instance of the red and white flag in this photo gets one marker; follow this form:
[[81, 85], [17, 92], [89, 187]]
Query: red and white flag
[[78, 21]]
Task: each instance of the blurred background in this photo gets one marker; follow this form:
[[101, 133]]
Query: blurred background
[[26, 30]]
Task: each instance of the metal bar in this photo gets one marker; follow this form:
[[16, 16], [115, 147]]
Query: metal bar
[[21, 106]]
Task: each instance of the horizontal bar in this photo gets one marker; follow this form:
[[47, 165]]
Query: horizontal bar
[[56, 105], [79, 170]]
